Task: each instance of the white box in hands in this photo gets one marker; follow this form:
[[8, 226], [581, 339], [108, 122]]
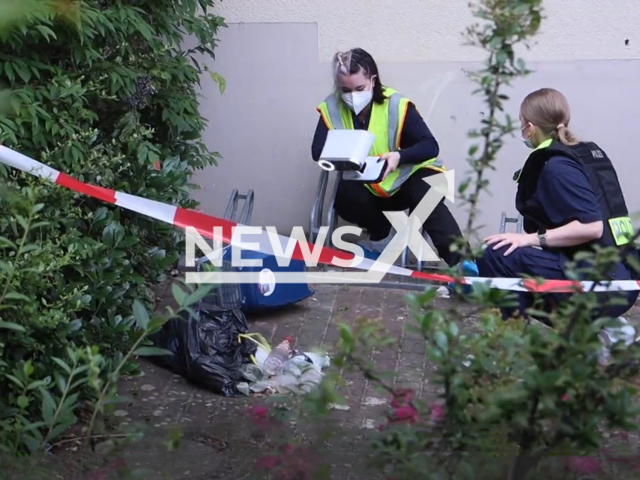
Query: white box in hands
[[347, 151]]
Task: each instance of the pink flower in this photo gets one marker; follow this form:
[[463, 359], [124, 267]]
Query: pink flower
[[259, 412], [582, 464], [401, 396], [437, 412], [267, 463], [405, 413], [566, 397], [261, 418], [293, 463]]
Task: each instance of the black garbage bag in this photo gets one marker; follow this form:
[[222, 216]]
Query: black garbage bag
[[206, 350]]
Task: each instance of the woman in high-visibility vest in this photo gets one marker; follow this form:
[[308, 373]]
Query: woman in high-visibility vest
[[571, 201], [402, 138]]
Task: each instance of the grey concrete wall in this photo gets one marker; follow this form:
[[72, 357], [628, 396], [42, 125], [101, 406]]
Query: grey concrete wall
[[276, 75]]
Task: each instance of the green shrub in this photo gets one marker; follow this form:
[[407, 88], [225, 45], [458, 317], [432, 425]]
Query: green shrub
[[104, 91]]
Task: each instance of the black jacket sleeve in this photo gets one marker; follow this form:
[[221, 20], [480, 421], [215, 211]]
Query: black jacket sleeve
[[417, 143], [318, 139]]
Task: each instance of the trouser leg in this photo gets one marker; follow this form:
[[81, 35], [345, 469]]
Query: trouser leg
[[524, 261], [441, 226], [550, 266], [357, 205]]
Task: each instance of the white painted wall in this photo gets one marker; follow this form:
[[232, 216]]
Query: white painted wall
[[430, 30], [275, 58]]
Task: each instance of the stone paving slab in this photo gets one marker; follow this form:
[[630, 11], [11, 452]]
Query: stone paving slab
[[219, 441]]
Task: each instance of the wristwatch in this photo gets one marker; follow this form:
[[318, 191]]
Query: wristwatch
[[542, 237]]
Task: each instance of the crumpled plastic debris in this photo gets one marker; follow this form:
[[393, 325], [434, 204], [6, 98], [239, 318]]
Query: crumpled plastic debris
[[302, 372]]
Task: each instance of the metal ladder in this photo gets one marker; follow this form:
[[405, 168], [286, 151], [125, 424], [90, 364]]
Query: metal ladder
[[504, 220], [232, 207], [229, 295]]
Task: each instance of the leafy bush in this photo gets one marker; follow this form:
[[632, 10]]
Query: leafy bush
[[106, 92]]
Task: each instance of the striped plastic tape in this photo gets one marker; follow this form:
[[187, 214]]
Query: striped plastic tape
[[204, 224]]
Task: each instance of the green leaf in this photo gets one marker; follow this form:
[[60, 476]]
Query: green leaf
[[153, 158], [141, 314], [27, 368], [151, 351], [32, 443], [178, 294], [23, 402], [74, 326], [156, 323], [453, 329], [16, 296], [61, 382], [70, 403], [9, 72], [113, 234], [15, 380], [48, 406], [46, 32], [60, 428], [12, 326], [34, 426], [197, 295], [219, 79], [62, 364], [441, 341], [129, 241], [37, 384], [143, 152], [4, 241]]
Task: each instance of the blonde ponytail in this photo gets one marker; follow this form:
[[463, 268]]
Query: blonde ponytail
[[548, 110], [565, 136]]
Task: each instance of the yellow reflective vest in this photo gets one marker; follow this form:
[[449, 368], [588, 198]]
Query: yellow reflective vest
[[386, 122]]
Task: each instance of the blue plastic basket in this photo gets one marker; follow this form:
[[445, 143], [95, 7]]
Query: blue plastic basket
[[225, 295]]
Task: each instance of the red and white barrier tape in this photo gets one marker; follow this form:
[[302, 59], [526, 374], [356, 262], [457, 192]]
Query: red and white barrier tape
[[205, 224]]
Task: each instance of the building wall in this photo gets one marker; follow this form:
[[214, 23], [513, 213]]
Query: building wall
[[275, 59]]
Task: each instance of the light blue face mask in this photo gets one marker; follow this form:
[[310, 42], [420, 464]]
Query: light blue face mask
[[527, 141]]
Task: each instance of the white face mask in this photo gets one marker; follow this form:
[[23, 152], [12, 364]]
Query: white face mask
[[527, 141], [357, 101]]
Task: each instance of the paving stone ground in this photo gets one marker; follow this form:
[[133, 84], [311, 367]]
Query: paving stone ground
[[164, 400], [220, 442]]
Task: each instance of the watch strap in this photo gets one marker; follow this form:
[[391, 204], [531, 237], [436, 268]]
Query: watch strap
[[542, 238]]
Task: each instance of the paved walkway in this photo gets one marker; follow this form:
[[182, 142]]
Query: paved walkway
[[219, 442], [217, 439]]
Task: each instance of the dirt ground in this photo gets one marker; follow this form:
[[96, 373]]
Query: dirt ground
[[219, 441]]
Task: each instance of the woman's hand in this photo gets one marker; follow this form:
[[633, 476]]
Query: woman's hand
[[393, 159], [516, 240]]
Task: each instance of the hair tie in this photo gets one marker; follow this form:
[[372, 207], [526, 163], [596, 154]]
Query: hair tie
[[342, 58], [560, 126]]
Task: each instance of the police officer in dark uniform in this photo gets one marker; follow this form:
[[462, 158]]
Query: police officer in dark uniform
[[570, 200]]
